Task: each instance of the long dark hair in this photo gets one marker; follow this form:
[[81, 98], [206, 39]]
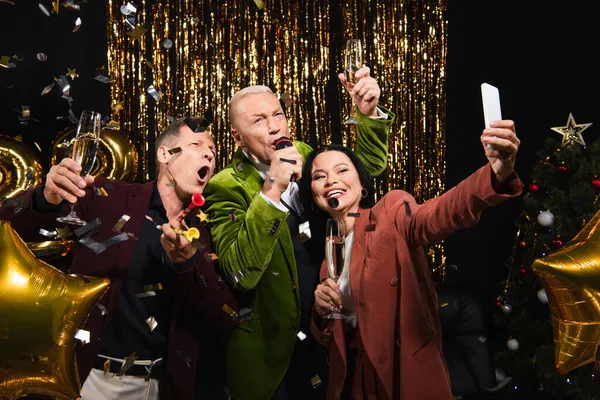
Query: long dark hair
[[314, 215]]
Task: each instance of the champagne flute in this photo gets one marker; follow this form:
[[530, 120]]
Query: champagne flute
[[352, 63], [85, 145], [335, 254]]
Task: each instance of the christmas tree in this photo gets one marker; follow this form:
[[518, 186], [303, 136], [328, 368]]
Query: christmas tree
[[562, 196]]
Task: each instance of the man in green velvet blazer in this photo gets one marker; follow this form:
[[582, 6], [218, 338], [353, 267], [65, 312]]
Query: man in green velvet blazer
[[256, 221]]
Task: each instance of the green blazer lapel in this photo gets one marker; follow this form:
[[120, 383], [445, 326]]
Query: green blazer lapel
[[246, 173]]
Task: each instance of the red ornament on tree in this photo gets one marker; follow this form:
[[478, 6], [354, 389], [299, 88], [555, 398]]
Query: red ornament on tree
[[498, 303], [562, 168], [523, 271], [534, 187], [557, 242], [596, 182]]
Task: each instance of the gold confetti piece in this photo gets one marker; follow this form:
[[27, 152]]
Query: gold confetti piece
[[195, 21], [106, 366], [129, 360], [55, 5], [230, 311], [25, 113], [154, 93], [101, 70], [112, 125], [117, 107], [5, 61], [47, 89], [71, 5], [151, 321], [72, 73], [315, 381], [37, 146], [155, 287], [42, 56], [202, 217], [444, 304], [175, 150], [62, 233], [7, 1], [137, 33], [260, 4], [100, 191], [77, 24], [149, 64], [44, 9], [121, 222], [211, 256]]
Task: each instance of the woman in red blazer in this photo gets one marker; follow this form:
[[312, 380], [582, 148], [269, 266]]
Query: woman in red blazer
[[390, 346]]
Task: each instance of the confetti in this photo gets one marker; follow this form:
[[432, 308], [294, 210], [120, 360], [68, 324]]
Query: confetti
[[230, 311], [63, 84], [155, 287], [301, 335], [89, 228], [145, 294], [106, 366], [271, 180], [354, 214], [245, 314], [149, 65], [37, 146], [72, 73], [137, 32], [103, 310], [48, 234], [100, 191], [93, 245], [109, 186], [77, 24], [121, 222], [25, 113], [83, 335], [151, 321], [104, 79], [5, 62], [112, 125], [287, 160], [202, 217], [128, 9], [175, 150], [315, 381], [232, 214], [44, 9], [129, 25], [117, 107], [62, 233], [70, 4], [42, 56], [73, 118], [47, 89], [154, 93], [127, 363], [260, 4], [55, 6], [7, 1], [167, 43], [195, 21], [211, 257], [116, 239], [240, 166]]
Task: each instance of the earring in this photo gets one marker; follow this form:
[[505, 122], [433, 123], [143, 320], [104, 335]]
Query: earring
[[364, 193]]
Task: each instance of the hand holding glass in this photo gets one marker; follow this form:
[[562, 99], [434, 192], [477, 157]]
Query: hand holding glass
[[85, 145], [335, 254]]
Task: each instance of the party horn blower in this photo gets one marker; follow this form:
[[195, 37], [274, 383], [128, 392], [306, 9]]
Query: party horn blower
[[197, 201], [190, 234]]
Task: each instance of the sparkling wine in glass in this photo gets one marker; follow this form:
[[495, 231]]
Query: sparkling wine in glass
[[352, 63], [85, 145], [335, 254]]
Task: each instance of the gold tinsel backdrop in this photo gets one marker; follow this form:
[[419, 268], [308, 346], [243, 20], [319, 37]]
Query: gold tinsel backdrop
[[173, 58]]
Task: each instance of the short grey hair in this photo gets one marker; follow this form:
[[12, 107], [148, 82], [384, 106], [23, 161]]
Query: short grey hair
[[245, 92]]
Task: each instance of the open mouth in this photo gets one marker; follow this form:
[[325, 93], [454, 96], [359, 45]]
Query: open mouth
[[203, 172], [334, 194]]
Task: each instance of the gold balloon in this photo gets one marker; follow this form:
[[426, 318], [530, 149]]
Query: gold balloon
[[19, 167], [571, 277], [41, 310], [116, 157]]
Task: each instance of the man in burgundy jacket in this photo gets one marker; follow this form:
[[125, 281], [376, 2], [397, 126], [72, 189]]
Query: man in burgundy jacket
[[166, 309]]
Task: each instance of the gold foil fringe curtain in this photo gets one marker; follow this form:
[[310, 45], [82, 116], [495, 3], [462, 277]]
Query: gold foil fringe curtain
[[295, 47]]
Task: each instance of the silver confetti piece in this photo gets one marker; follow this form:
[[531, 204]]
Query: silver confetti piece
[[128, 363], [116, 239], [63, 84], [103, 310], [151, 321], [121, 222], [91, 244], [129, 25], [104, 79], [167, 43], [89, 228], [72, 117], [145, 294], [25, 113], [44, 9], [42, 56], [48, 234], [127, 9], [153, 92], [77, 24], [83, 335], [301, 335]]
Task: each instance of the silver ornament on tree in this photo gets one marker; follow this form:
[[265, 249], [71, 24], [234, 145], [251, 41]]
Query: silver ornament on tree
[[512, 344], [506, 308], [545, 219]]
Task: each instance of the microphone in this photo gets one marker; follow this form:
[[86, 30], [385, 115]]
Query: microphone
[[333, 203], [282, 143]]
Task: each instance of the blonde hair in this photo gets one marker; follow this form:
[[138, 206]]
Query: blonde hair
[[245, 92]]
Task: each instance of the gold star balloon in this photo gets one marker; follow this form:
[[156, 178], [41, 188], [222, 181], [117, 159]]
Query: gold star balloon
[[571, 278], [41, 309], [571, 132]]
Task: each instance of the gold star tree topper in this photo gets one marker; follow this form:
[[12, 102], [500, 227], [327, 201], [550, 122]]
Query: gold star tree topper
[[42, 309], [571, 278], [571, 132]]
